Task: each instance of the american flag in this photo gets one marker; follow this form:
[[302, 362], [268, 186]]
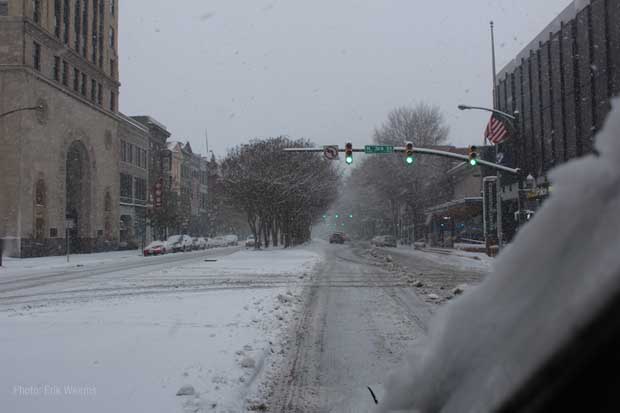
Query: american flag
[[496, 131]]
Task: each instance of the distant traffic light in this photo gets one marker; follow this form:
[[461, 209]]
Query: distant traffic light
[[337, 216], [351, 216], [473, 155], [409, 153], [348, 149]]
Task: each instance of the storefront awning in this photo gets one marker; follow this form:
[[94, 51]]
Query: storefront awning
[[460, 208]]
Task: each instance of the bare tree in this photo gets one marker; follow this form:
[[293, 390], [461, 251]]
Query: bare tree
[[283, 194], [388, 194], [423, 124]]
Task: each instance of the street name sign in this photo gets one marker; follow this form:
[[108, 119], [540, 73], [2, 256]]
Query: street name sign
[[374, 149]]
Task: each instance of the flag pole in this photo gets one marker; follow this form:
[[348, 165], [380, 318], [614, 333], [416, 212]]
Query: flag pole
[[495, 106], [494, 69]]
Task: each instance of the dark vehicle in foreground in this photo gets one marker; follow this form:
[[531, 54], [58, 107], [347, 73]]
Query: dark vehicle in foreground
[[384, 241], [155, 248], [337, 238]]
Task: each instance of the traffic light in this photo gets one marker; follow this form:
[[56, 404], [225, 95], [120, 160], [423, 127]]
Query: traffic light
[[409, 153], [351, 216], [348, 150], [473, 155], [337, 216]]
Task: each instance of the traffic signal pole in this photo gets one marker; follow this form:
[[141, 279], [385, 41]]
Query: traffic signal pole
[[422, 151]]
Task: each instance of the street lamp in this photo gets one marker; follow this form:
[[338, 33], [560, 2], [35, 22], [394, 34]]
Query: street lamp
[[512, 120], [10, 112], [505, 115]]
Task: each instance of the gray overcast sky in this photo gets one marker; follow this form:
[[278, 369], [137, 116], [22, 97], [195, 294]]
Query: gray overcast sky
[[328, 70]]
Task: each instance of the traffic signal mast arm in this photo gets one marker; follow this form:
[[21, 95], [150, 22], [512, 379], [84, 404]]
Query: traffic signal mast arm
[[423, 151]]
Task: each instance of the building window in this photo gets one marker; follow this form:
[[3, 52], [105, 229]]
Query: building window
[[113, 68], [57, 17], [130, 153], [100, 94], [65, 73], [100, 35], [112, 38], [84, 27], [76, 80], [53, 232], [36, 55], [113, 101], [112, 7], [77, 25], [123, 151], [66, 21], [36, 11], [126, 187], [56, 68], [93, 90], [40, 193], [84, 84], [140, 189], [39, 229], [93, 56], [107, 203]]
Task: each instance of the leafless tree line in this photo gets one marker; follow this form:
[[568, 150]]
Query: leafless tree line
[[383, 192], [283, 194]]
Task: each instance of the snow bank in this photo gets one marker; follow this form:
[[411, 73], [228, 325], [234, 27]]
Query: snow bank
[[561, 268]]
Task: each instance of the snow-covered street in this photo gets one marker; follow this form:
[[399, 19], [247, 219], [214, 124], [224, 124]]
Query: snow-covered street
[[116, 335], [303, 329], [363, 313]]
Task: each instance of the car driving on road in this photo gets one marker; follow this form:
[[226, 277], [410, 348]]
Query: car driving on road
[[337, 238], [250, 242]]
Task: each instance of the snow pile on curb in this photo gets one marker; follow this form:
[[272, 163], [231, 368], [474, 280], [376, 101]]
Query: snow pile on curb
[[561, 269]]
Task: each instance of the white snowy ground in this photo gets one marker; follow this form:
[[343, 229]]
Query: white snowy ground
[[133, 352], [461, 260]]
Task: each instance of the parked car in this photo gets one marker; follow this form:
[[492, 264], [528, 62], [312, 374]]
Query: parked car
[[250, 242], [216, 242], [155, 248], [177, 243], [199, 243], [231, 240], [384, 241], [337, 238]]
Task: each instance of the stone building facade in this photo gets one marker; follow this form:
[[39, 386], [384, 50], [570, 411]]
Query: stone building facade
[[133, 182], [59, 164]]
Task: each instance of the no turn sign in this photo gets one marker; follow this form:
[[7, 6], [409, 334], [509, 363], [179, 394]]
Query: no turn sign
[[330, 152]]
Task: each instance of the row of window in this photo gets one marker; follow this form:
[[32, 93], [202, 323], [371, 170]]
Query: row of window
[[62, 25], [134, 154], [60, 73], [133, 188]]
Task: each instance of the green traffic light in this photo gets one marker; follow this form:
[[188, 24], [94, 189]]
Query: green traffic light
[[473, 162], [349, 160], [337, 216], [409, 160], [351, 216]]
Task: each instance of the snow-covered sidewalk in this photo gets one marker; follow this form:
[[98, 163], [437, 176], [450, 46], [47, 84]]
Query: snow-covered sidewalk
[[462, 260], [136, 352]]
